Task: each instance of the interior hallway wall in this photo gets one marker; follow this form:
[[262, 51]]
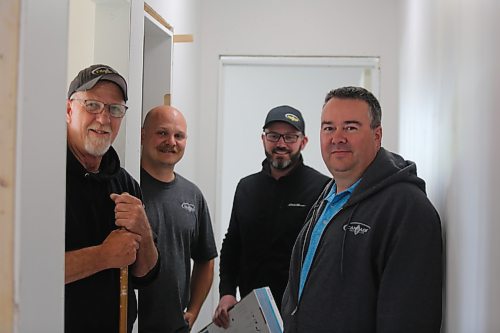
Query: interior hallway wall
[[450, 78], [295, 28], [184, 16], [40, 167]]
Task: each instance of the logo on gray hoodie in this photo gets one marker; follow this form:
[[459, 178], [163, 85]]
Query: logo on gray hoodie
[[357, 228]]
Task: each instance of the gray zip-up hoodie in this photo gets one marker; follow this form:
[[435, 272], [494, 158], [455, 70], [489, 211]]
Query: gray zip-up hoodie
[[378, 266]]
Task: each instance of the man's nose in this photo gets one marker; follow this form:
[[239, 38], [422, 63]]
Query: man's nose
[[104, 116], [338, 136], [170, 140]]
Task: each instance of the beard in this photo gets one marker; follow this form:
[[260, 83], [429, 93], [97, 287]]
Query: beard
[[282, 162], [96, 146]]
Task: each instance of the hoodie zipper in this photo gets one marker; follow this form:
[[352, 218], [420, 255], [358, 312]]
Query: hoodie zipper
[[314, 217]]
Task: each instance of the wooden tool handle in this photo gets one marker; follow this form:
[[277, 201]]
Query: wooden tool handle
[[123, 299]]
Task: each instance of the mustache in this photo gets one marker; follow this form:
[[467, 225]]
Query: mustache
[[281, 150], [340, 146], [165, 148], [98, 127]]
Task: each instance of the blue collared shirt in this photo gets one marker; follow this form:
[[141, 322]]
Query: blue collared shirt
[[335, 201]]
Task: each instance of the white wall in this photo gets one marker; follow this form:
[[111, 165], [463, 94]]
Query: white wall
[[184, 16], [157, 64], [81, 35], [450, 80], [298, 27], [40, 167]]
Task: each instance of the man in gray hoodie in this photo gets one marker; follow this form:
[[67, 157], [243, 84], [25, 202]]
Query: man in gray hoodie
[[369, 258]]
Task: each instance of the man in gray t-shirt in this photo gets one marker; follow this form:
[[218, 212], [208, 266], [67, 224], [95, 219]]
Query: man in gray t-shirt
[[179, 216]]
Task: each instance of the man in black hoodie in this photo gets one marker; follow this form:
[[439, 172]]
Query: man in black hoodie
[[106, 224], [369, 258], [269, 209]]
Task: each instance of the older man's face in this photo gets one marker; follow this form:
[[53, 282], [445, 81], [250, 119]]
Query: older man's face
[[93, 134]]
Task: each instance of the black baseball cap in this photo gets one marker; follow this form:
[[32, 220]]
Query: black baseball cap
[[286, 114], [87, 78]]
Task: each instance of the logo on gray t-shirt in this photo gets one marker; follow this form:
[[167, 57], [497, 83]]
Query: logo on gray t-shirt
[[188, 206]]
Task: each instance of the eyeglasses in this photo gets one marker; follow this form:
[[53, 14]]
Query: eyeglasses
[[275, 137], [96, 107]]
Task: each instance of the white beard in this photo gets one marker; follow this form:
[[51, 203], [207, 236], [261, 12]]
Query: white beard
[[97, 147]]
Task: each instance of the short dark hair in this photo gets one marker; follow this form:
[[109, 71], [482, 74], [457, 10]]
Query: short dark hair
[[361, 94]]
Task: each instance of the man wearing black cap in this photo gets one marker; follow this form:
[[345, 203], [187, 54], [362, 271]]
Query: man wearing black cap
[[269, 209], [106, 225]]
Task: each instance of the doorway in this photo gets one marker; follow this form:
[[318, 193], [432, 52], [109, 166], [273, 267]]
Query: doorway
[[157, 64]]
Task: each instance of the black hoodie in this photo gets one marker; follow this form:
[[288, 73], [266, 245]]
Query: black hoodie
[[378, 266], [266, 218], [92, 304]]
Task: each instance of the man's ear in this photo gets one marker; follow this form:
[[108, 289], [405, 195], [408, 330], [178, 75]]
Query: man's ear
[[378, 136], [304, 142], [69, 111]]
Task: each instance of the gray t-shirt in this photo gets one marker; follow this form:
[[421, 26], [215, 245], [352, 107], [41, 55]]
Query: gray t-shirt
[[178, 214]]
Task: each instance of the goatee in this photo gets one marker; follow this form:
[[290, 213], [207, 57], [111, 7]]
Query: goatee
[[281, 163], [97, 147]]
